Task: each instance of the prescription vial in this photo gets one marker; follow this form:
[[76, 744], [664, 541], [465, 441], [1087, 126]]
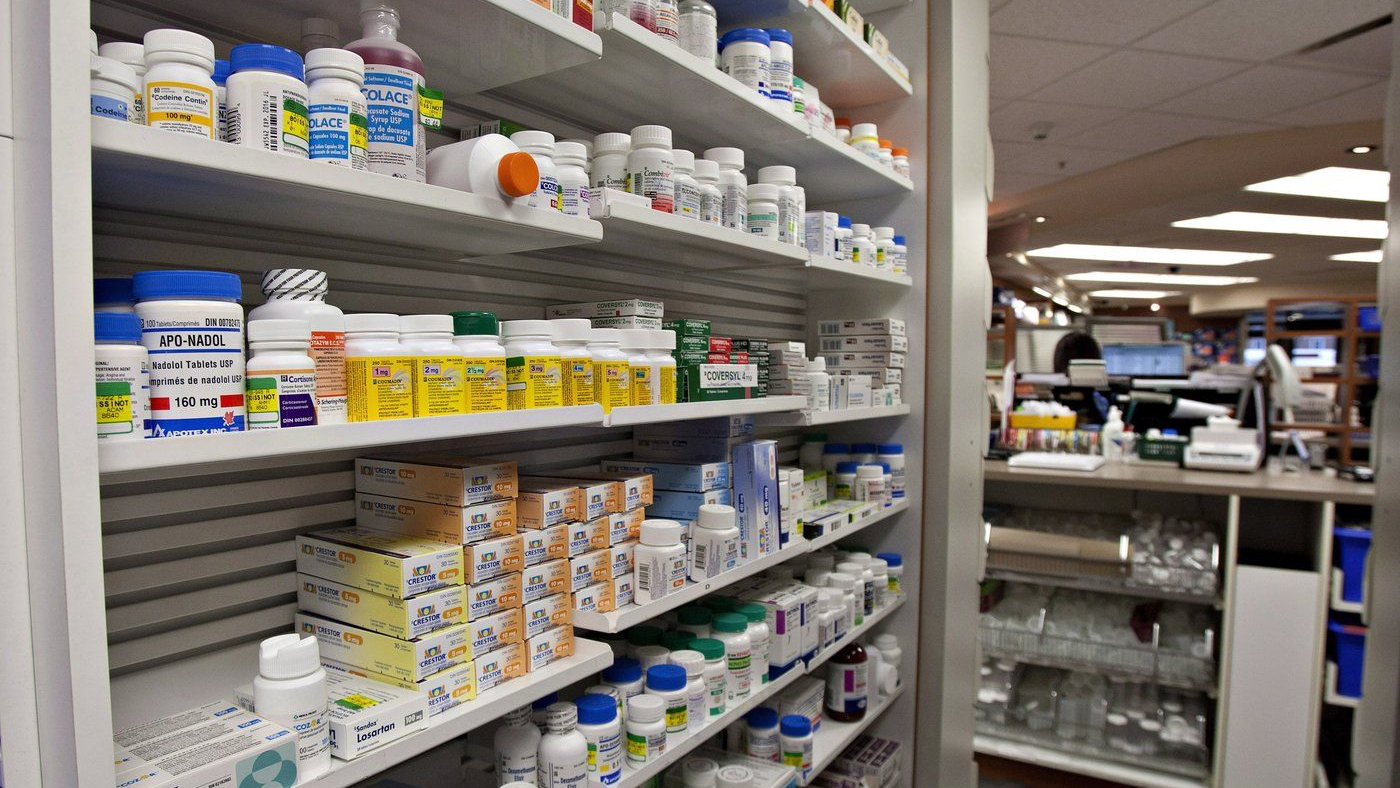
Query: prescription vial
[[534, 372], [639, 369], [624, 675], [895, 570], [862, 245], [711, 199], [221, 72], [819, 398], [791, 207], [881, 571], [688, 196], [281, 377], [393, 74], [763, 210], [378, 370], [714, 542], [733, 186], [663, 367], [571, 163], [849, 586], [563, 753], [863, 590], [700, 30], [290, 690], [267, 100], [759, 638], [113, 89], [339, 120], [899, 160], [517, 744], [660, 561], [300, 294], [646, 728], [540, 146], [571, 338], [489, 165], [780, 66], [731, 629], [602, 730], [761, 734], [439, 366], [696, 695], [651, 167], [844, 238], [694, 618], [886, 154], [884, 247], [866, 139], [744, 55], [795, 737], [846, 682], [668, 22], [893, 455], [716, 673], [609, 170], [890, 651], [123, 394], [612, 377], [192, 327], [667, 682], [179, 89]]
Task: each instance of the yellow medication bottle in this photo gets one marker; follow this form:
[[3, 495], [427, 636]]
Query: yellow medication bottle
[[612, 381], [477, 335], [571, 337], [534, 373], [439, 368], [663, 363], [639, 366], [378, 369]]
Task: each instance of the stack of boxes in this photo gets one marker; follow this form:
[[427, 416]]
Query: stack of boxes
[[788, 368], [757, 350], [869, 762], [621, 313], [710, 367], [865, 359]]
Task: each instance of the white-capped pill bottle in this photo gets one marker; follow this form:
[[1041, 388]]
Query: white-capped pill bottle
[[113, 294], [439, 366], [646, 728], [300, 294], [115, 89], [862, 245], [571, 337], [697, 772], [651, 654], [489, 165], [660, 561], [534, 371], [651, 168], [563, 753], [849, 586], [696, 694], [587, 151], [711, 198], [291, 690], [791, 203], [517, 744], [192, 327], [612, 374], [744, 54], [221, 72], [179, 87], [763, 210], [731, 630], [688, 196], [267, 100], [570, 163], [339, 130], [540, 146], [881, 570], [714, 542], [668, 682], [639, 369], [663, 366], [122, 375], [378, 370], [733, 186], [865, 137], [609, 170], [477, 335], [870, 483], [700, 30], [759, 638], [844, 237], [826, 617], [602, 729], [886, 155], [393, 74], [884, 247], [819, 398], [780, 66], [281, 376], [133, 55]]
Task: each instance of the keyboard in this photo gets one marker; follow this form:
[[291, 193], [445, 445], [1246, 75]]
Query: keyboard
[[1056, 461]]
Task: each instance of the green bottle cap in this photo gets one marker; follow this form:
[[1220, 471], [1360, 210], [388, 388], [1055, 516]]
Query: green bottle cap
[[470, 324], [644, 635], [752, 611], [708, 647], [693, 615], [731, 622], [677, 639]]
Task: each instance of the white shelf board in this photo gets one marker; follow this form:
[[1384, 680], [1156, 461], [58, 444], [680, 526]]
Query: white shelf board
[[841, 533], [669, 241], [1341, 605], [1079, 764], [826, 273], [863, 627], [815, 418], [1104, 586], [1329, 689], [589, 658], [157, 453], [686, 411], [834, 737], [187, 181], [830, 170]]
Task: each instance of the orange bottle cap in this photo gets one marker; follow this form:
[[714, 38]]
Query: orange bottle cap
[[899, 151], [886, 144], [846, 122], [518, 174]]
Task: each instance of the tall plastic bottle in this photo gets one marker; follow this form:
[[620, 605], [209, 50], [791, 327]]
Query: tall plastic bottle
[[1111, 436], [563, 752], [300, 294], [711, 198], [393, 74], [490, 164], [517, 744], [732, 185], [291, 690]]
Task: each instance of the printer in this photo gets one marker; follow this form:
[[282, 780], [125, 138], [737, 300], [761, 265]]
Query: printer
[[1222, 445]]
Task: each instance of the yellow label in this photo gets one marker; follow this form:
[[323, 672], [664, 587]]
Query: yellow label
[[612, 388], [181, 107], [261, 401], [438, 386], [380, 388], [641, 384], [114, 408], [486, 384], [534, 382], [676, 717], [668, 385], [578, 381]]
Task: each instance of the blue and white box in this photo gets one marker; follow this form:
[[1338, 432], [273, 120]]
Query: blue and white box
[[755, 475], [686, 477], [685, 506], [684, 448]]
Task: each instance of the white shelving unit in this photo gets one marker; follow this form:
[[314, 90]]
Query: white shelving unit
[[834, 737], [870, 622], [822, 417], [839, 534], [1123, 773], [825, 273], [687, 411]]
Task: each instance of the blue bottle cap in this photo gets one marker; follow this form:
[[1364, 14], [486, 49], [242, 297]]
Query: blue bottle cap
[[186, 284], [891, 448], [543, 702], [266, 57], [837, 448], [795, 726], [778, 34], [596, 709], [863, 448], [847, 467], [891, 559], [112, 290], [116, 327], [744, 34], [762, 718], [221, 71], [884, 465], [623, 671], [843, 221], [666, 678], [899, 240]]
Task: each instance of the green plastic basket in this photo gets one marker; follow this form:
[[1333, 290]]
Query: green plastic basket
[[1161, 450]]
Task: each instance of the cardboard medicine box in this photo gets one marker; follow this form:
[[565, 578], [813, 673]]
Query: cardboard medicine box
[[546, 544], [493, 596], [596, 497], [550, 577], [685, 477], [624, 307], [442, 690], [505, 663], [213, 745], [494, 557], [546, 613], [864, 344], [543, 503], [390, 564], [400, 618], [409, 660], [363, 714], [455, 481], [549, 647], [637, 488], [436, 522], [587, 536], [688, 328], [756, 498], [889, 326]]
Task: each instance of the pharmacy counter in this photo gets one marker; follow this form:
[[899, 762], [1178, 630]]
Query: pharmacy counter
[[1162, 477]]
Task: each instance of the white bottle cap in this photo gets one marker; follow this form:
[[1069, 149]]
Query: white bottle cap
[[861, 230], [706, 170], [661, 533], [289, 330], [841, 580], [715, 515], [181, 42], [826, 598], [613, 335], [732, 157], [92, 42], [570, 153], [335, 63], [699, 772], [296, 282], [817, 576], [886, 642], [587, 146], [651, 136], [645, 708], [817, 364], [779, 174], [288, 656], [867, 472], [560, 717], [612, 142], [571, 330], [128, 52], [635, 338], [884, 233], [858, 558], [365, 322], [425, 324], [692, 661], [879, 566], [760, 192], [685, 160], [734, 776], [864, 130], [114, 71], [663, 339], [526, 328], [541, 142]]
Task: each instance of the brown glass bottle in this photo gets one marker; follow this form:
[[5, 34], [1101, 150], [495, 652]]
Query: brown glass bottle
[[847, 683]]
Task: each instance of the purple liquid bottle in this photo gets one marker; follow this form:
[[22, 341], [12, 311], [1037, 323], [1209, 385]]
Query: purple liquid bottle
[[393, 74]]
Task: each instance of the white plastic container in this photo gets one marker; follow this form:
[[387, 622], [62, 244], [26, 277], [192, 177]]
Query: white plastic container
[[571, 338], [700, 30], [881, 572], [697, 772], [221, 72], [339, 131], [534, 371], [668, 21], [378, 370], [602, 730], [711, 198], [477, 335], [870, 483], [178, 92], [744, 54], [646, 729], [571, 163], [886, 155], [763, 216], [267, 100], [899, 160], [300, 294], [517, 744], [901, 257], [663, 366], [639, 369], [393, 74], [563, 753], [650, 655], [848, 585], [696, 694], [122, 376], [733, 186], [439, 367], [114, 90], [540, 146], [865, 137], [895, 569], [612, 376], [668, 682], [131, 54], [688, 194], [792, 207], [809, 456], [733, 775], [714, 542], [862, 245], [863, 590], [795, 739], [280, 375], [660, 561], [290, 690], [761, 734], [651, 167], [889, 650], [780, 67], [489, 165], [716, 673], [819, 398], [827, 602], [884, 247], [609, 170], [731, 629], [844, 237], [892, 454], [759, 639]]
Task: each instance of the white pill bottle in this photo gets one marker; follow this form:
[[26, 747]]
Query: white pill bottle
[[563, 753], [540, 146], [281, 377], [134, 55], [609, 169], [711, 198], [517, 744], [267, 100], [714, 542], [113, 90], [489, 165], [651, 167], [300, 294], [291, 690], [339, 132], [179, 85], [733, 186], [571, 161], [123, 395]]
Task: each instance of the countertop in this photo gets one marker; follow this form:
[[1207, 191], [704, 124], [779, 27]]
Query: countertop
[[1163, 477]]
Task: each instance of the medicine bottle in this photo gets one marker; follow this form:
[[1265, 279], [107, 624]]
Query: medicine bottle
[[886, 154], [893, 455], [862, 245], [393, 74], [487, 165], [668, 682], [901, 257], [540, 146], [290, 690], [889, 650], [792, 202], [844, 236], [763, 217], [761, 734], [668, 22], [732, 775], [571, 338], [731, 629], [819, 398], [477, 335], [759, 639], [714, 543], [122, 376], [826, 614], [113, 294], [517, 744], [539, 708], [134, 55], [571, 165], [688, 195], [634, 343], [780, 67], [625, 675], [884, 247], [899, 160], [895, 568], [881, 571], [609, 170], [663, 366], [612, 377], [113, 89], [697, 696], [845, 481], [866, 139], [864, 453], [646, 728], [267, 100], [563, 753], [651, 168], [651, 654], [862, 588], [339, 133], [194, 320], [378, 370], [851, 598], [220, 77], [870, 483], [843, 130], [699, 772], [179, 88], [744, 54], [733, 186], [660, 561], [795, 737], [602, 730], [846, 684], [300, 294], [439, 366], [281, 377], [587, 151], [534, 372], [716, 673], [700, 30], [711, 198], [809, 456], [694, 618]]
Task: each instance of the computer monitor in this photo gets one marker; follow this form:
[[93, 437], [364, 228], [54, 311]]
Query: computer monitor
[[1146, 361]]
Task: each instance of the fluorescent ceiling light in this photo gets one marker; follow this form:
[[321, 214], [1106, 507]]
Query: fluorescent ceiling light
[[1075, 309], [1146, 254], [1286, 224], [1358, 257], [1040, 291], [1337, 183], [1186, 280], [1145, 294]]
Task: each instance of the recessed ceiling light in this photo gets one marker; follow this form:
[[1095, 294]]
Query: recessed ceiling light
[[1152, 294], [1040, 219], [1358, 257], [1040, 291], [1337, 183], [1358, 149], [1286, 224], [1146, 254], [1186, 280], [1078, 310], [1156, 307]]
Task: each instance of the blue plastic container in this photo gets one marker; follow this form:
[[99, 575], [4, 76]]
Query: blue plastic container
[[1349, 646], [1352, 544], [1368, 318]]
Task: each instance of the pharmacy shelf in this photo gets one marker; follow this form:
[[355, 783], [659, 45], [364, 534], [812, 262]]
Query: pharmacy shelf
[[631, 615], [191, 184], [589, 658], [1077, 763], [1330, 695], [830, 170], [1084, 666], [640, 234], [1341, 605], [196, 450], [825, 273], [834, 536], [834, 737], [858, 632], [687, 411], [817, 418], [1105, 586]]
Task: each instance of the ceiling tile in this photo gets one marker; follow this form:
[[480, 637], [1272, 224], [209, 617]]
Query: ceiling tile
[[1262, 29], [1367, 103], [1021, 65], [1134, 80], [1063, 160], [1009, 183], [1368, 53], [1142, 132], [1012, 122], [1010, 151], [1263, 91], [1090, 21]]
